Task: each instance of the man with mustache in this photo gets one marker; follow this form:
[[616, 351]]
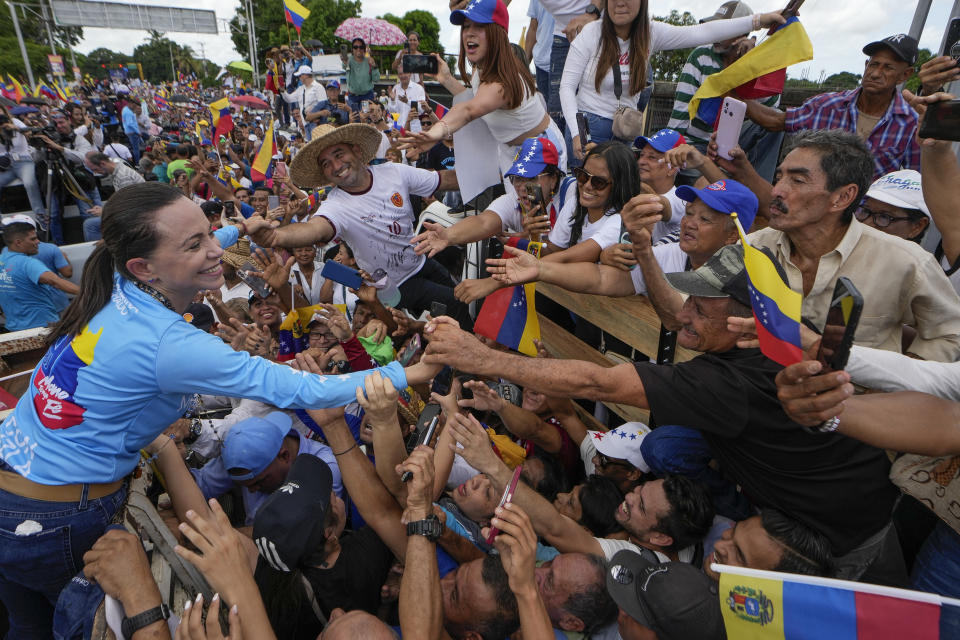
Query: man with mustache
[[814, 235]]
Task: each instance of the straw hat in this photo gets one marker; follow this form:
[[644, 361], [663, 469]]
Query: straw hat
[[235, 255], [304, 169]]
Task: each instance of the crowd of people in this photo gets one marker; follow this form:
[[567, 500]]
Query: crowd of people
[[266, 332]]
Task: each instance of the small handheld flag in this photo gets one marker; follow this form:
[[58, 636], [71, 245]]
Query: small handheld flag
[[509, 316], [776, 307], [262, 167], [220, 114], [295, 13]]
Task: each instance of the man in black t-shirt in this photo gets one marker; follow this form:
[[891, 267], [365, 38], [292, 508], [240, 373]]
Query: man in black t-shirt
[[831, 483]]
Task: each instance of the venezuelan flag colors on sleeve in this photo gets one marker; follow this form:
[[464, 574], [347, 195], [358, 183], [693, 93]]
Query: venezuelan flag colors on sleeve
[[776, 307], [788, 45], [295, 13], [781, 606], [262, 167], [509, 316]]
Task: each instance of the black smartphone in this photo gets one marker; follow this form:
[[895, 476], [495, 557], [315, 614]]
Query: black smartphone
[[952, 39], [466, 393], [419, 63], [406, 46], [584, 126], [791, 10], [333, 270], [423, 432], [941, 121], [442, 381], [228, 208], [841, 325], [343, 49], [437, 309]]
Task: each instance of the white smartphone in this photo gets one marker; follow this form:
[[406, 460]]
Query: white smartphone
[[728, 126], [415, 126]]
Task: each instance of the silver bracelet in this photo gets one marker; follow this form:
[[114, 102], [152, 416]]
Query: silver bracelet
[[756, 21], [829, 426], [446, 130]]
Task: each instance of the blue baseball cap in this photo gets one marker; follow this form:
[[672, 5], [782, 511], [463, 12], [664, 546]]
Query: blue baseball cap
[[253, 444], [662, 140], [535, 155], [334, 84], [483, 12], [726, 197]]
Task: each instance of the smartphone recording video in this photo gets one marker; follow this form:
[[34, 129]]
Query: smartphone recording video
[[841, 325]]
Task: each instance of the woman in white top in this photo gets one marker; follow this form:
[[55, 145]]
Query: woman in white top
[[504, 93], [626, 37]]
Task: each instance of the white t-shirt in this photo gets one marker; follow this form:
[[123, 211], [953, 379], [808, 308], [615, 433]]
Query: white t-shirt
[[311, 287], [610, 548], [678, 208], [413, 93], [115, 150], [563, 11], [605, 231], [342, 295], [671, 259], [239, 290], [511, 219], [577, 87], [378, 223]]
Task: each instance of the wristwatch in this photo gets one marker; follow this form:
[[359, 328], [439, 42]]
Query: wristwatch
[[131, 625], [593, 10], [430, 528]]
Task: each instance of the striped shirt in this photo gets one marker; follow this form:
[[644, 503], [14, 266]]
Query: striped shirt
[[892, 141], [702, 62]]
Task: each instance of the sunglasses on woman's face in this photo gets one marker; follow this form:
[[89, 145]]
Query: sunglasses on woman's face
[[597, 182], [359, 46]]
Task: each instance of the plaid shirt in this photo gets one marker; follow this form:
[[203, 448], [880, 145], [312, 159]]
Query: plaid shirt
[[893, 140]]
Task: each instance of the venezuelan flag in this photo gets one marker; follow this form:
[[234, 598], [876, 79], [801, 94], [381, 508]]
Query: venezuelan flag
[[161, 102], [262, 167], [764, 65], [313, 201], [509, 316], [18, 91], [776, 307], [440, 111], [293, 335], [768, 605], [296, 13], [525, 244], [220, 114]]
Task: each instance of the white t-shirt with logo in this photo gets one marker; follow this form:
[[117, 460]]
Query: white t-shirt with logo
[[605, 231], [511, 218], [378, 223]]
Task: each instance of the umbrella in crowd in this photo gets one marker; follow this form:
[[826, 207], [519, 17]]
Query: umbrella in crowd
[[180, 99], [240, 65], [312, 43], [23, 109], [372, 30], [251, 102]]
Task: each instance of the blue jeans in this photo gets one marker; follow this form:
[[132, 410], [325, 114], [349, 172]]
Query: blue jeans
[[136, 143], [543, 81], [558, 58], [35, 567], [91, 229], [601, 130], [937, 570], [56, 213], [26, 171], [355, 100]]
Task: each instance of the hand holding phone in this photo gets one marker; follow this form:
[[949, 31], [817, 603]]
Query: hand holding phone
[[841, 326], [729, 123], [584, 130], [941, 121], [420, 63], [504, 499], [333, 270]]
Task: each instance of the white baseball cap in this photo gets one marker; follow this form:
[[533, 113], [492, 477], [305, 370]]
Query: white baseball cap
[[304, 70], [901, 189], [623, 443], [19, 217]]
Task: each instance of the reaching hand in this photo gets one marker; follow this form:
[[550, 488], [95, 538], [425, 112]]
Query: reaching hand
[[619, 256], [476, 444], [737, 167], [432, 241], [332, 318], [684, 156], [374, 329], [276, 272], [378, 398], [422, 141], [263, 232], [453, 346], [448, 403], [469, 290], [484, 398], [420, 489], [810, 399], [517, 544], [536, 226], [405, 324], [234, 333], [192, 627], [117, 562], [519, 267], [938, 72]]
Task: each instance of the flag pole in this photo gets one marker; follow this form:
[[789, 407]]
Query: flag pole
[[736, 221]]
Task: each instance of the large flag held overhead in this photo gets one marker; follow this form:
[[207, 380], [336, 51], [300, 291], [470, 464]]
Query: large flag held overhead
[[509, 316], [776, 307], [262, 167], [222, 120], [769, 605], [295, 13], [761, 71]]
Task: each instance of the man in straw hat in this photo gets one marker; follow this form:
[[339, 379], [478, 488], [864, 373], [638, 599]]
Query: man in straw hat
[[369, 208]]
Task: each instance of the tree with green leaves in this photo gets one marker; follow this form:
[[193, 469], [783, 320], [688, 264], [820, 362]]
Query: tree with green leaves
[[424, 23], [667, 65], [35, 39], [272, 29]]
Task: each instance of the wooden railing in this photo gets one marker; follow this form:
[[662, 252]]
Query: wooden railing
[[630, 319]]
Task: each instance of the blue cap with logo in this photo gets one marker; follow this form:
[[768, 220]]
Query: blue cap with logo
[[725, 196], [536, 154], [483, 12], [662, 140], [254, 443], [333, 84]]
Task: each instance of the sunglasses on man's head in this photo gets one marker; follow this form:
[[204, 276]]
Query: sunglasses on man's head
[[597, 182]]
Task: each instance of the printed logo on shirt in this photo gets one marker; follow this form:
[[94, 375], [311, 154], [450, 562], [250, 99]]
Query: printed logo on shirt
[[396, 199], [624, 59], [56, 380]]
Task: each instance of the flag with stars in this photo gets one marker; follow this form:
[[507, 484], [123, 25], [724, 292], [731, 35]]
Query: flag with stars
[[776, 307], [509, 316]]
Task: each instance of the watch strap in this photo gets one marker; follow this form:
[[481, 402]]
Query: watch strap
[[593, 10], [132, 624], [430, 528]]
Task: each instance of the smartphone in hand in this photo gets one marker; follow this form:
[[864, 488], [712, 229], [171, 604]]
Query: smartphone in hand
[[841, 326], [504, 499], [729, 123], [584, 126]]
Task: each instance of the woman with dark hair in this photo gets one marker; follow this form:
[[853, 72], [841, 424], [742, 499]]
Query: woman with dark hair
[[619, 45], [122, 365], [362, 73], [504, 93], [593, 504]]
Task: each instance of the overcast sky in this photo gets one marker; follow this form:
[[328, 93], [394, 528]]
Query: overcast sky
[[838, 29]]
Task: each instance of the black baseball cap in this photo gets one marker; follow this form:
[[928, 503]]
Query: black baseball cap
[[722, 276], [902, 45], [199, 315], [288, 528], [674, 599]]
